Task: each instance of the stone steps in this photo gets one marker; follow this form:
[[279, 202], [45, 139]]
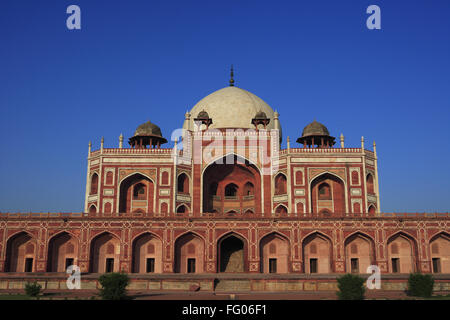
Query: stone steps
[[233, 285]]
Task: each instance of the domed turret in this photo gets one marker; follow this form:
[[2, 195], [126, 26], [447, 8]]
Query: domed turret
[[260, 118], [314, 134], [147, 135], [203, 118]]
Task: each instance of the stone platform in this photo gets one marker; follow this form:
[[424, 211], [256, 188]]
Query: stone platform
[[214, 282]]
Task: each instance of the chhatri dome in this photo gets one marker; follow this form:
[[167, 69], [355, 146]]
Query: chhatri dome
[[232, 107]]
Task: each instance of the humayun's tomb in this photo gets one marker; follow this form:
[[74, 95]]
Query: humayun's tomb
[[226, 202]]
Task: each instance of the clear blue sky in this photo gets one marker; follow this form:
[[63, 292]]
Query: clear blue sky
[[136, 60]]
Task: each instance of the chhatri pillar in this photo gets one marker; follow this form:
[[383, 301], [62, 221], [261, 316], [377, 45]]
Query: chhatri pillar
[[147, 135], [316, 133]]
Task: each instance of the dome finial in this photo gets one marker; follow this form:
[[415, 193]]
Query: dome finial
[[231, 77]]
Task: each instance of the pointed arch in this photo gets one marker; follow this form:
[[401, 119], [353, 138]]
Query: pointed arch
[[359, 250], [62, 251], [338, 191], [146, 254], [231, 190], [94, 184], [183, 183], [248, 189], [92, 209], [139, 191], [280, 183], [281, 210], [317, 251], [370, 183], [165, 178], [102, 258], [128, 201], [223, 185], [438, 234], [439, 248], [324, 191], [21, 249], [189, 253], [232, 250], [182, 208], [402, 253], [274, 253]]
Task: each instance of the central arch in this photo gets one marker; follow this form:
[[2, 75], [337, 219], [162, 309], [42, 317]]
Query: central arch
[[328, 194], [136, 194], [232, 253], [231, 183]]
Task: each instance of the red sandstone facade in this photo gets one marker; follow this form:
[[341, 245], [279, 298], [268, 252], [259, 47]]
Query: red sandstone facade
[[313, 209]]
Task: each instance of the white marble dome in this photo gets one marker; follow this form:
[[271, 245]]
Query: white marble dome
[[231, 107]]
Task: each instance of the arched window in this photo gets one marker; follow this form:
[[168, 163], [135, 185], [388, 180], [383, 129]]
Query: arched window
[[92, 209], [371, 210], [94, 184], [249, 211], [281, 210], [182, 209], [183, 183], [369, 183], [324, 191], [165, 178], [248, 189], [280, 184], [231, 190], [139, 192], [109, 177]]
